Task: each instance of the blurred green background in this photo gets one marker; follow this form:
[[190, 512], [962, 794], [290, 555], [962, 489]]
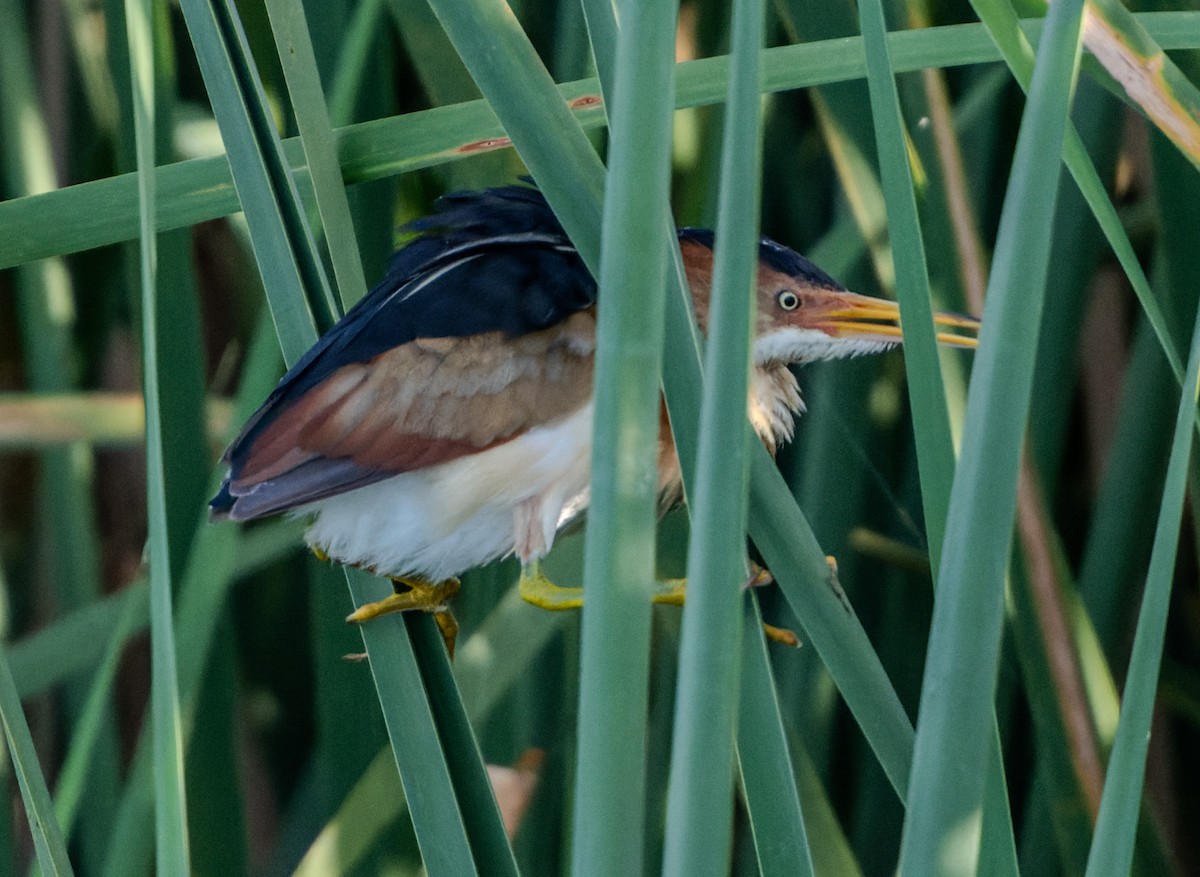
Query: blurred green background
[[286, 760]]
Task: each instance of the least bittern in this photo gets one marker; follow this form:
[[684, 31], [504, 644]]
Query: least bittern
[[446, 420]]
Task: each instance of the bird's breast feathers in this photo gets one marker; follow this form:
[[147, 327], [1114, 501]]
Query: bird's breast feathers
[[436, 522]]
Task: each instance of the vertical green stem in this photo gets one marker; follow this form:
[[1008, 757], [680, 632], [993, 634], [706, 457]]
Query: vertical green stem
[[619, 559], [931, 422], [699, 808], [941, 832], [170, 811]]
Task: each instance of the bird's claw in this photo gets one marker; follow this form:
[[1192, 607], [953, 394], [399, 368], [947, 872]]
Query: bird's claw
[[417, 594], [759, 576], [448, 625], [781, 635]]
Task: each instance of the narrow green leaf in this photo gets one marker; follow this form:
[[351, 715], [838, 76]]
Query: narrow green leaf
[[953, 734], [345, 706], [1116, 826], [203, 589], [413, 730], [104, 211], [768, 776], [47, 838], [931, 421], [783, 535], [296, 288], [1148, 75], [295, 283], [472, 786], [619, 558], [72, 779], [295, 47], [699, 814], [170, 799], [1002, 24], [515, 630], [449, 739]]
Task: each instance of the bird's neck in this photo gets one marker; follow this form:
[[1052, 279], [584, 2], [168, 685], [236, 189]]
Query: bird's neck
[[774, 403]]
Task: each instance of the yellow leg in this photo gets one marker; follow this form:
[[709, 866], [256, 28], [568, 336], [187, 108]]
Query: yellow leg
[[670, 592], [536, 588], [426, 596]]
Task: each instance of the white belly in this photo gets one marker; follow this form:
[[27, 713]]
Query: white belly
[[440, 521]]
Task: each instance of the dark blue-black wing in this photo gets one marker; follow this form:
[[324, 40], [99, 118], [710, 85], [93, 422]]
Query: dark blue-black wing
[[492, 266]]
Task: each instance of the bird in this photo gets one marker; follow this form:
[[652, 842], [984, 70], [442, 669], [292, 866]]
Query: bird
[[446, 420]]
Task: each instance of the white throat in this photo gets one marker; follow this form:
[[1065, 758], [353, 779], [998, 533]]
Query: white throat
[[793, 345], [774, 404]]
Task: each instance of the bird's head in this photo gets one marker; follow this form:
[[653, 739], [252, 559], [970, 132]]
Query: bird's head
[[804, 315]]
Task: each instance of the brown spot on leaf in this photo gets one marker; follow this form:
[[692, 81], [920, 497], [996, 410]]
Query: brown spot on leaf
[[485, 144]]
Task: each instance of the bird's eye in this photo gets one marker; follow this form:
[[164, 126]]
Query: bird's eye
[[787, 299]]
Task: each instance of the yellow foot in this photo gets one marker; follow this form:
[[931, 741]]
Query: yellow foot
[[535, 588], [417, 594], [781, 635]]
